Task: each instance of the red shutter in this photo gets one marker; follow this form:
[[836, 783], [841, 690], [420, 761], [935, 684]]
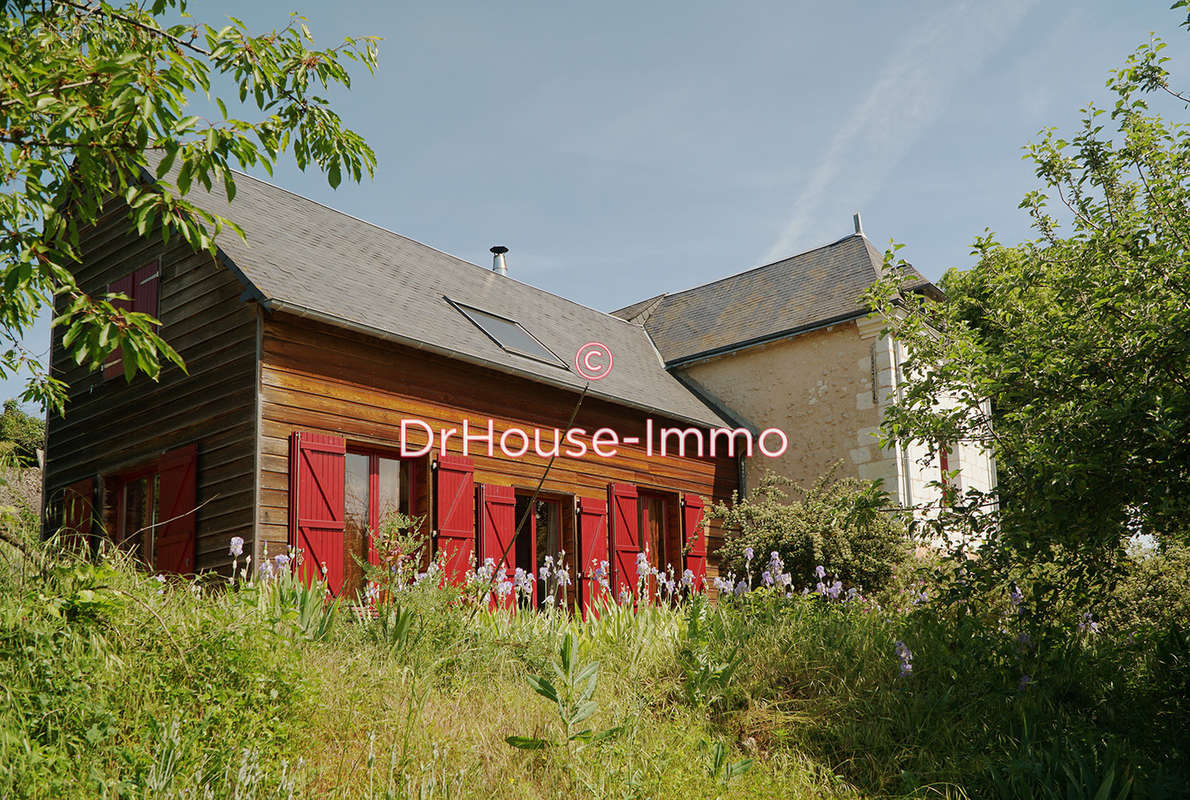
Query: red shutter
[[78, 509], [625, 537], [592, 527], [454, 513], [177, 495], [695, 539], [497, 530], [317, 463], [114, 366], [144, 297]]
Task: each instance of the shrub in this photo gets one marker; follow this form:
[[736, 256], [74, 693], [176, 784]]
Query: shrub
[[1154, 592], [843, 524]]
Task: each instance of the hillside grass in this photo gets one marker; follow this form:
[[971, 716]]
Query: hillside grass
[[118, 684]]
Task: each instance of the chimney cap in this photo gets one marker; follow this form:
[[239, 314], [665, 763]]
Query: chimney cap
[[499, 249]]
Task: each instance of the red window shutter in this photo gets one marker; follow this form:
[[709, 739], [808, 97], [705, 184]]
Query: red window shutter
[[625, 536], [78, 509], [695, 539], [454, 513], [177, 496], [497, 530], [144, 297], [114, 366], [317, 465], [592, 531]]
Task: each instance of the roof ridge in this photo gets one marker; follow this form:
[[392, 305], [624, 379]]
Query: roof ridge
[[766, 266], [390, 231]]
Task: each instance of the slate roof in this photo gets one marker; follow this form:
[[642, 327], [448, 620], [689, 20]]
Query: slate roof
[[796, 293], [303, 256]]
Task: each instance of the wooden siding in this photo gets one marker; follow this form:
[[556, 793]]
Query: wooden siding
[[318, 378], [112, 424]]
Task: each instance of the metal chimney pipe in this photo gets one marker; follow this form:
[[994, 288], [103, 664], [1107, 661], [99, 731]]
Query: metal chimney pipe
[[499, 266], [859, 226]]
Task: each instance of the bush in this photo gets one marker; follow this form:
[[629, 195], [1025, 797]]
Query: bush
[[1154, 592], [842, 524]]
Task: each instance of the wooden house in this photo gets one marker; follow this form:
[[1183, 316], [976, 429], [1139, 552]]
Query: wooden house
[[322, 355]]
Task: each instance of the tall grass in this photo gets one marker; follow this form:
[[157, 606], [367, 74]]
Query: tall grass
[[117, 684]]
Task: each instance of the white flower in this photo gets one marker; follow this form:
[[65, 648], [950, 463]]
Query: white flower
[[237, 546]]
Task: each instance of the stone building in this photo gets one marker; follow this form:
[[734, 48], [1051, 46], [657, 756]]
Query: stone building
[[791, 345]]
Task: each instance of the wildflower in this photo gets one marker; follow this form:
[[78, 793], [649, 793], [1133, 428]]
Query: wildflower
[[749, 553], [785, 579], [906, 657], [688, 579], [1026, 682], [503, 588], [722, 585], [820, 588], [767, 578], [921, 597], [373, 591], [820, 571], [159, 578], [1088, 624], [237, 546], [282, 561], [852, 593], [1016, 596], [625, 596], [835, 589], [741, 587], [642, 562]]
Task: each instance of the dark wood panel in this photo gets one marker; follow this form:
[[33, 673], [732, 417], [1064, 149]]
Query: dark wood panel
[[111, 424]]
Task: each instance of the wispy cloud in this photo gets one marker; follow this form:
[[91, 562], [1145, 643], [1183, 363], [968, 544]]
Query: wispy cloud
[[905, 99]]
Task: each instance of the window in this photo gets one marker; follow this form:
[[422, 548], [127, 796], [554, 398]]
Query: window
[[549, 533], [150, 510], [660, 533], [131, 500], [375, 486], [949, 483], [141, 289], [510, 335]]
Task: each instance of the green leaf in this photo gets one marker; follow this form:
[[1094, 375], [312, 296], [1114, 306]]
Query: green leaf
[[528, 743]]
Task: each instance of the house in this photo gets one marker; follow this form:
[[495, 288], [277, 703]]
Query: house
[[333, 371], [337, 372], [791, 343]]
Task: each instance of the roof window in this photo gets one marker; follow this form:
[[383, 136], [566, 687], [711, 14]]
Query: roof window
[[509, 334]]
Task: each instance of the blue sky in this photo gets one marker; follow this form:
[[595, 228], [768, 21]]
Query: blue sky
[[624, 149]]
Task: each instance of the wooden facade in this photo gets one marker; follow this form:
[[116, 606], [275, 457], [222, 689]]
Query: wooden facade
[[256, 378], [112, 428]]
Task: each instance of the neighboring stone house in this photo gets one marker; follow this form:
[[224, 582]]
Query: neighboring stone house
[[791, 345]]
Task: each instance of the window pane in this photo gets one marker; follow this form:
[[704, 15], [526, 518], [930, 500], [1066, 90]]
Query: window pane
[[137, 517], [510, 335], [391, 489], [355, 519]]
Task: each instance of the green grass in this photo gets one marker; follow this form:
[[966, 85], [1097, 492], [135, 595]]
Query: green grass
[[113, 684]]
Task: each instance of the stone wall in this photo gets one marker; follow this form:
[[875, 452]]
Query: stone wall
[[817, 387], [828, 389]]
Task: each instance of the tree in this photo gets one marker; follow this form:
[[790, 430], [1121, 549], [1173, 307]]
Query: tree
[[87, 90], [1080, 338], [20, 432]]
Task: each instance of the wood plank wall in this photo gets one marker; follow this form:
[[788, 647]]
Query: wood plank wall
[[318, 378], [109, 425]]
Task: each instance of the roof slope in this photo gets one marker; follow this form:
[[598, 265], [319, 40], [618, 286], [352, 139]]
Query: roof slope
[[779, 298], [302, 255]]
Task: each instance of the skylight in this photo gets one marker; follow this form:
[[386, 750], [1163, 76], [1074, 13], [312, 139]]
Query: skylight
[[509, 334]]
